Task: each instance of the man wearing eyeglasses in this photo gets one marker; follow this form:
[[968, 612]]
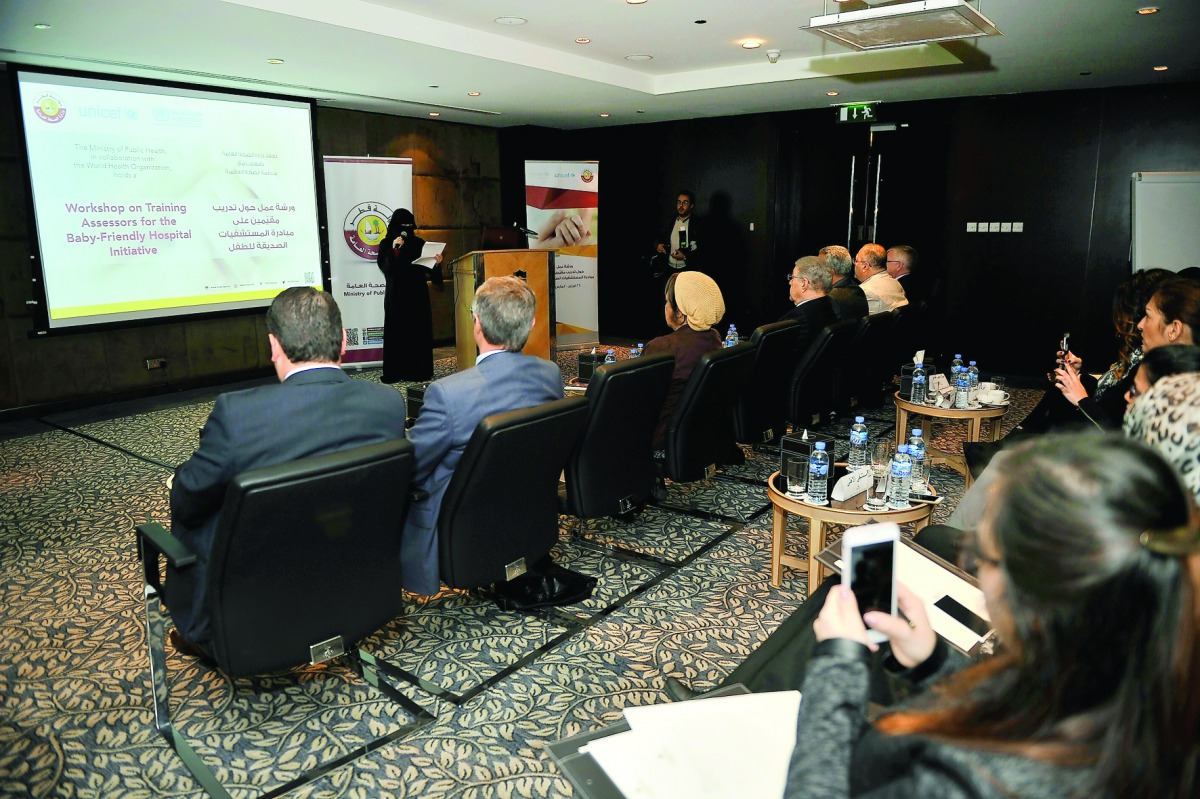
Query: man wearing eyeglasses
[[901, 262], [883, 292], [679, 242], [808, 289]]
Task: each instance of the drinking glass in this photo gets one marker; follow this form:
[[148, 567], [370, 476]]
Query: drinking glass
[[1001, 383], [881, 465], [797, 478]]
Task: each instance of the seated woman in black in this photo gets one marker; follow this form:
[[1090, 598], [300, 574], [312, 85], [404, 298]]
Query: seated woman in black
[[1087, 556]]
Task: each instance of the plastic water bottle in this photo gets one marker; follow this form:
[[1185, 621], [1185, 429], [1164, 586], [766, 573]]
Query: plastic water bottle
[[731, 339], [973, 374], [962, 389], [898, 486], [636, 352], [818, 475], [956, 364], [919, 384], [920, 469], [858, 444], [610, 356]]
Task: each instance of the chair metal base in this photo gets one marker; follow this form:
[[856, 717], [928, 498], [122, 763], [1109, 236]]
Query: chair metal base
[[365, 664]]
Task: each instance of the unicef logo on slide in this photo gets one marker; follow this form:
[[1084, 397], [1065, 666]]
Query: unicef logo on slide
[[49, 108], [365, 227]]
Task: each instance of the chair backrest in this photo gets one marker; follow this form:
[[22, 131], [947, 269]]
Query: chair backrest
[[307, 551], [762, 406], [612, 470], [700, 430], [502, 502], [873, 359], [813, 388]]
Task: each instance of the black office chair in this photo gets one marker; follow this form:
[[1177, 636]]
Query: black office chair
[[612, 470], [814, 392], [500, 512], [305, 562], [700, 431], [870, 361], [761, 413]]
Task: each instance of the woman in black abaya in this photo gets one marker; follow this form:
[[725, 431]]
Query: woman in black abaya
[[407, 315]]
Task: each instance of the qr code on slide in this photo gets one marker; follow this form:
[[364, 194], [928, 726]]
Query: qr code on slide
[[352, 336], [309, 277]]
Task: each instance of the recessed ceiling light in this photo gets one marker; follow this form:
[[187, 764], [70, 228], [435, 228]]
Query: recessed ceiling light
[[1146, 11], [1085, 73], [751, 44], [435, 113], [583, 40], [635, 2], [510, 20], [639, 57], [472, 94], [605, 116], [434, 86], [42, 26], [1160, 69], [831, 94], [701, 22], [274, 60]]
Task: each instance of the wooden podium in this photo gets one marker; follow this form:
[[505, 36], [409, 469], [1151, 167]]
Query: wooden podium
[[470, 270]]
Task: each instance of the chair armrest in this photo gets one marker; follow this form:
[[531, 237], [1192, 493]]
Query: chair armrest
[[160, 540]]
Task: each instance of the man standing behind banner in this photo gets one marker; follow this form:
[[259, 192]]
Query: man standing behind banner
[[679, 241], [407, 313]]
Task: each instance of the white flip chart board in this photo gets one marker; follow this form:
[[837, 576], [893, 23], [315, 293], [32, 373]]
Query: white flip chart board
[[1166, 220]]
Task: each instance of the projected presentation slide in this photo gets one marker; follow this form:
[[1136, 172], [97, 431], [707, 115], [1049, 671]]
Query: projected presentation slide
[[155, 201]]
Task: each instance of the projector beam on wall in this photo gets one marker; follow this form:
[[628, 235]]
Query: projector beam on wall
[[903, 24]]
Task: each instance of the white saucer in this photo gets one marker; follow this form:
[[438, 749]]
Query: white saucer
[[996, 404]]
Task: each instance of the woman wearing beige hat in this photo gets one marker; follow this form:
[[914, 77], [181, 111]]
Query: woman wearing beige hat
[[693, 306]]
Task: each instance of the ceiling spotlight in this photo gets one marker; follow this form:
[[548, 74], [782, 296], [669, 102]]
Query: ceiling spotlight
[[832, 94], [773, 56], [42, 26], [510, 20], [1160, 69], [583, 40], [274, 60], [635, 2], [639, 57], [1146, 11], [605, 116], [435, 113], [751, 44], [472, 94]]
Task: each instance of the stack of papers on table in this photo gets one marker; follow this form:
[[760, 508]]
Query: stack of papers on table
[[717, 747]]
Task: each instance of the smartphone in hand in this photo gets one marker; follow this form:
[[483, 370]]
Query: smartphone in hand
[[869, 558]]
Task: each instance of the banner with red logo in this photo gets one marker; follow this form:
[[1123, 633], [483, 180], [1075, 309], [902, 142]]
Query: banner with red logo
[[562, 208], [360, 196]]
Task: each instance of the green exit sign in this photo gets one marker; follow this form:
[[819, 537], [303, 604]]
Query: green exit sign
[[866, 112]]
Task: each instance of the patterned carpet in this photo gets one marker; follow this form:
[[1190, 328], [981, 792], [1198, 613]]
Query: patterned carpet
[[77, 720]]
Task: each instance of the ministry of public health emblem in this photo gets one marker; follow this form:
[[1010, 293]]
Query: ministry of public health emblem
[[365, 227], [50, 109], [587, 175]]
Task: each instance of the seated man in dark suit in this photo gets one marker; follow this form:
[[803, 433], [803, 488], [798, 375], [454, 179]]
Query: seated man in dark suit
[[902, 264], [314, 409], [502, 380], [849, 300], [808, 288]]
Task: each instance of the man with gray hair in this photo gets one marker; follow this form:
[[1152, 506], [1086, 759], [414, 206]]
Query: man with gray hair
[[849, 301], [883, 292], [503, 379], [808, 289]]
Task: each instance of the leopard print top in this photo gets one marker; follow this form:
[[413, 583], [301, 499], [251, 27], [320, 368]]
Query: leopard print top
[[1167, 418]]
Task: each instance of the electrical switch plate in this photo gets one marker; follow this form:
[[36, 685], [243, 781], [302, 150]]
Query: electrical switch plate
[[1018, 227], [983, 227], [970, 227], [993, 227], [1006, 227]]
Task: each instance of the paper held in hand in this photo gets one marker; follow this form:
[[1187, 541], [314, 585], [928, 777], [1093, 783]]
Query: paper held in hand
[[429, 252]]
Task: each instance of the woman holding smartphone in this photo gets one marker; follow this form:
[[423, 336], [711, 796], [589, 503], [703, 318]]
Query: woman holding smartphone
[[1087, 557]]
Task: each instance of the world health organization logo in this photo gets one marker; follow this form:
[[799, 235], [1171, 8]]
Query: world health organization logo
[[365, 227], [50, 109]]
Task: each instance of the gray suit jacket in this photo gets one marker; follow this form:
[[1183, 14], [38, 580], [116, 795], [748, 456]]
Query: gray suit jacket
[[452, 409]]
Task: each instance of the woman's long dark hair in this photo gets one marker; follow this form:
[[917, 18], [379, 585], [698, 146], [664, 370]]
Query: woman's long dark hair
[[1103, 670], [1170, 359], [1128, 308]]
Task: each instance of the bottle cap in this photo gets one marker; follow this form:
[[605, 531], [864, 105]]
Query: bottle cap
[[916, 432], [640, 345], [972, 363], [858, 420], [610, 349], [820, 445], [957, 355], [902, 449]]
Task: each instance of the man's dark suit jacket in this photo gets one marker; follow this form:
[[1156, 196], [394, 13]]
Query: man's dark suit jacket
[[695, 258], [914, 290], [812, 317], [849, 300], [451, 410], [311, 413]]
